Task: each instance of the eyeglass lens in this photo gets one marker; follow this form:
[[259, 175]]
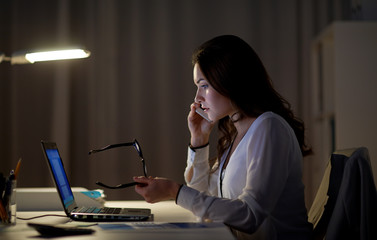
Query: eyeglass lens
[[138, 149]]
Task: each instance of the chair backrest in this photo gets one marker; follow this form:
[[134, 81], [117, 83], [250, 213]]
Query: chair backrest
[[346, 201]]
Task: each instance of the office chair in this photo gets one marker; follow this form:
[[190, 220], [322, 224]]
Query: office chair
[[345, 206]]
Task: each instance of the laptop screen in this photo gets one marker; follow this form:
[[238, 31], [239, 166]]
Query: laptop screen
[[60, 177]]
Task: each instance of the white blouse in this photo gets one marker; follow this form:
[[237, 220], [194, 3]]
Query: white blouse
[[262, 190]]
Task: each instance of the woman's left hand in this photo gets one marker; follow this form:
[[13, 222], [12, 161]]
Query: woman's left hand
[[156, 189]]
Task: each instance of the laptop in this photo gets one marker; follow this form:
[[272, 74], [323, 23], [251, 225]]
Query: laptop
[[84, 213]]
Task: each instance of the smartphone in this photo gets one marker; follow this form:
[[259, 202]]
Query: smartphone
[[59, 230], [203, 114]]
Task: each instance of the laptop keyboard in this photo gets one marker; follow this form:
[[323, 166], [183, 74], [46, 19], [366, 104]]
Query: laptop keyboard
[[105, 210]]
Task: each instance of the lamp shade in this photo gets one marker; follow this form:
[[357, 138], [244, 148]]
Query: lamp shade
[[27, 57]]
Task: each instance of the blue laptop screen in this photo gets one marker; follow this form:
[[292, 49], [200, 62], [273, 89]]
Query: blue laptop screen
[[60, 176]]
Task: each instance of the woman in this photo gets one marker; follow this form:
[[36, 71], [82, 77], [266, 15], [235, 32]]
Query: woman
[[255, 185]]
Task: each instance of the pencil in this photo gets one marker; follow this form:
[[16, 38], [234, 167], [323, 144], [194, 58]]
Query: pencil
[[3, 213], [17, 168]]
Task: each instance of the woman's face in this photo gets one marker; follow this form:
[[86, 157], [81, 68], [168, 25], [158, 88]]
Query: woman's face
[[214, 104]]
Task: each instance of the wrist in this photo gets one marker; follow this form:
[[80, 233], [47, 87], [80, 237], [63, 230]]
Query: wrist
[[199, 142], [176, 196], [198, 147], [175, 190]]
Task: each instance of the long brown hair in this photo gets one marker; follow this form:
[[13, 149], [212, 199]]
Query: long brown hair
[[234, 70]]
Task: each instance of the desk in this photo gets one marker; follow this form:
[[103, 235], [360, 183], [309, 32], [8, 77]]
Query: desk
[[163, 212]]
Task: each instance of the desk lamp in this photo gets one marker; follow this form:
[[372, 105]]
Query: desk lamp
[[28, 57]]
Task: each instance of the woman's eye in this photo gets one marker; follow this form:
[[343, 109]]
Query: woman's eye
[[204, 86]]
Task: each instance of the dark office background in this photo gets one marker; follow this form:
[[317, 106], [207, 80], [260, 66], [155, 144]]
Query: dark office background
[[138, 81]]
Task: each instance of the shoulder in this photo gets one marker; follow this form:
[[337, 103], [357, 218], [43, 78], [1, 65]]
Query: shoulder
[[270, 120], [270, 135], [270, 128]]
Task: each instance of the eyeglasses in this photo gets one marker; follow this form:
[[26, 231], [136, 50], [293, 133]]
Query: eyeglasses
[[136, 145]]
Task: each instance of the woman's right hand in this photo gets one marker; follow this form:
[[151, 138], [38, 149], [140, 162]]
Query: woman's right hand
[[200, 128]]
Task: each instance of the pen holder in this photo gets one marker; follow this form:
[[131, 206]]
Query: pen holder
[[8, 206]]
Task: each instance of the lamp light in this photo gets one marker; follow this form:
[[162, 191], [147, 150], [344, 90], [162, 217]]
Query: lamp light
[[28, 57]]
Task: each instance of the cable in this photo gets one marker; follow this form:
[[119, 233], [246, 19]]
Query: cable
[[46, 215]]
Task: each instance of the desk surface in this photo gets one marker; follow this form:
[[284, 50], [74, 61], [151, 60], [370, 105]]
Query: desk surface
[[164, 212]]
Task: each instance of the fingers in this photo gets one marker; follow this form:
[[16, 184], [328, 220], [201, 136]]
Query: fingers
[[155, 189], [192, 112], [146, 188], [194, 105], [195, 120], [142, 179], [141, 187]]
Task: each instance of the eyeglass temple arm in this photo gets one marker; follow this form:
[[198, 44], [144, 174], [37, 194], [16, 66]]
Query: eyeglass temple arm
[[111, 146], [118, 186]]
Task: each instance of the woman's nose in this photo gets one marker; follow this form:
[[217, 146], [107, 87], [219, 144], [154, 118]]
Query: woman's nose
[[198, 98]]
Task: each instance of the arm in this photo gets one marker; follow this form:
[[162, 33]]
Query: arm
[[233, 212], [267, 169], [197, 169], [270, 186], [197, 172]]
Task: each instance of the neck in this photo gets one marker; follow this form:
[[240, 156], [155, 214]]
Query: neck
[[242, 125]]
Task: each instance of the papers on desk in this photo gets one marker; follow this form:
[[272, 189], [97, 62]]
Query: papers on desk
[[166, 231], [156, 225], [47, 199]]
